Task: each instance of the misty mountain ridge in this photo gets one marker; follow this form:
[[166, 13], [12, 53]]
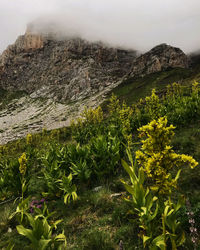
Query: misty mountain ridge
[[68, 74], [73, 69]]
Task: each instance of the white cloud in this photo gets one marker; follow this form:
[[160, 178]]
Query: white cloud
[[137, 24]]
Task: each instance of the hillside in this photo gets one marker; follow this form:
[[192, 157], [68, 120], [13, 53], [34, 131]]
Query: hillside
[[84, 172], [92, 150], [45, 82]]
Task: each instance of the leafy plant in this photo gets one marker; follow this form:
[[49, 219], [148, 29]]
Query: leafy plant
[[105, 153], [171, 225], [81, 170], [41, 235], [10, 180], [68, 188], [153, 106], [157, 156], [89, 125], [22, 208], [144, 204], [153, 205], [53, 162]]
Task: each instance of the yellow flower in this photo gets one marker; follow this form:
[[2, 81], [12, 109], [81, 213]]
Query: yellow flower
[[157, 156], [22, 164], [29, 139]]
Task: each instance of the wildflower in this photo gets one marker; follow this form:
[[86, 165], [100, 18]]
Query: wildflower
[[29, 138], [193, 229], [36, 204], [157, 156], [22, 164]]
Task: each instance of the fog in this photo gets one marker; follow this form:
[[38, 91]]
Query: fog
[[137, 24]]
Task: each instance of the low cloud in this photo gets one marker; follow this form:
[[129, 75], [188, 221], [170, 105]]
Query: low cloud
[[137, 24]]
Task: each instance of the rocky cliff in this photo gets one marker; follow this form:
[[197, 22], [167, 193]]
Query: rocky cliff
[[158, 59], [65, 70], [73, 69]]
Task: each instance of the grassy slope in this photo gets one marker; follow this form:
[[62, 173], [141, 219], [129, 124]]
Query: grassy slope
[[132, 89], [99, 220]]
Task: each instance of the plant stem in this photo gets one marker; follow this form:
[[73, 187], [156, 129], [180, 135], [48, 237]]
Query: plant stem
[[164, 230]]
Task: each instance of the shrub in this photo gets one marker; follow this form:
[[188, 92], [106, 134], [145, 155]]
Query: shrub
[[157, 156]]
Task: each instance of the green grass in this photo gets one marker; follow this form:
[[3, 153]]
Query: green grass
[[132, 89]]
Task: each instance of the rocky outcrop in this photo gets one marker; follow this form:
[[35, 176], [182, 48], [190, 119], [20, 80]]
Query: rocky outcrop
[[65, 70], [73, 69], [157, 59]]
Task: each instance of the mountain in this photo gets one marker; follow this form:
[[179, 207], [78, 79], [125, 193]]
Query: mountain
[[66, 70], [73, 69], [159, 58], [52, 79]]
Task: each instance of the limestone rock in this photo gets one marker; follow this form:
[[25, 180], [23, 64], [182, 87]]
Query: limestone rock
[[65, 70], [72, 69], [157, 59]]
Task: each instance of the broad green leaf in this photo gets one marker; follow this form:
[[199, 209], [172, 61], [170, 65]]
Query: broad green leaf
[[61, 237], [24, 187], [159, 242], [31, 220], [27, 232], [128, 152], [130, 189], [56, 223], [66, 198], [155, 212], [129, 170], [145, 239], [181, 239], [180, 203], [141, 176], [166, 210], [178, 175], [43, 244], [46, 228]]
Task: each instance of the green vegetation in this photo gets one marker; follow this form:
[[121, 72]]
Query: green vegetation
[[65, 188]]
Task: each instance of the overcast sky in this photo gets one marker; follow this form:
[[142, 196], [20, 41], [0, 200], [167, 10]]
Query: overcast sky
[[137, 24]]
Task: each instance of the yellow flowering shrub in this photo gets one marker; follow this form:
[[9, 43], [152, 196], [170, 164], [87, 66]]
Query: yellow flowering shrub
[[22, 164], [153, 105], [125, 114], [87, 125], [157, 156], [195, 89], [121, 116], [113, 106], [174, 90], [29, 139], [92, 115], [88, 116]]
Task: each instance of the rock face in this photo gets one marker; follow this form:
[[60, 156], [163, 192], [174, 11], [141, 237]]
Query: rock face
[[73, 69], [157, 59], [66, 70]]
